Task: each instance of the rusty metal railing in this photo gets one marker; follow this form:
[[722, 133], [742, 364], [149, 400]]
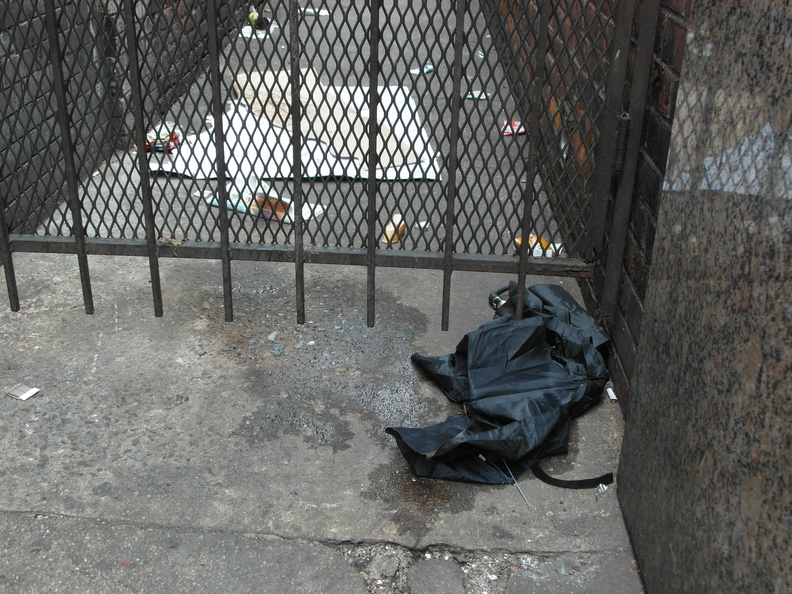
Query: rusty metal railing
[[380, 135]]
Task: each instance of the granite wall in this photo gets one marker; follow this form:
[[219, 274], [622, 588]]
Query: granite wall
[[705, 478]]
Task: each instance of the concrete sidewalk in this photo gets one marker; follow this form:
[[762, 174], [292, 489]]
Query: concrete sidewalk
[[189, 454]]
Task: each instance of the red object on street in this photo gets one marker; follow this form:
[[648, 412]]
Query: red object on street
[[511, 127], [162, 143]]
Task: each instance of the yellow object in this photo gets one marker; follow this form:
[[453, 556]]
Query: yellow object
[[539, 246], [253, 17], [533, 241], [394, 230]]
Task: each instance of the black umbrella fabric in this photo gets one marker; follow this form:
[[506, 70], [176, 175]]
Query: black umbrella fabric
[[549, 301], [520, 383]]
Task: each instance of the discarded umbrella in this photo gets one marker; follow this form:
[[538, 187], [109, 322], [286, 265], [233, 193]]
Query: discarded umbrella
[[521, 382]]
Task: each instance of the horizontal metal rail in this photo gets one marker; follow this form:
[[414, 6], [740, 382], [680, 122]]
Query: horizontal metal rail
[[313, 255]]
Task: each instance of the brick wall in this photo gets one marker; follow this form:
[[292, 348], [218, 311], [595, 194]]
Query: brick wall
[[173, 47], [31, 171], [625, 326], [577, 63], [571, 96]]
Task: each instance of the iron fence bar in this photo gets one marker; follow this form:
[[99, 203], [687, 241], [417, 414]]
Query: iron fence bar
[[453, 162], [142, 161], [67, 148], [567, 267], [529, 191], [8, 260], [218, 109], [623, 203], [372, 185], [612, 111], [296, 114]]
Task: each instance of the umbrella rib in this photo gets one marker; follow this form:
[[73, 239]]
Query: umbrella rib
[[514, 480], [503, 474]]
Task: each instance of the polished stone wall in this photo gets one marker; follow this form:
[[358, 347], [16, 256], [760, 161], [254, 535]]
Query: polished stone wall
[[705, 478]]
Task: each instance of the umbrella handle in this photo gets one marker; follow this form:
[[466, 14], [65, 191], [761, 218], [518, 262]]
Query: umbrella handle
[[495, 300]]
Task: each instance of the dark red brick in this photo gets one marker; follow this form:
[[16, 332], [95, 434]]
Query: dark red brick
[[630, 306], [635, 265], [656, 138], [648, 184], [598, 281], [663, 88], [670, 41], [621, 382], [624, 342], [681, 7], [643, 226]]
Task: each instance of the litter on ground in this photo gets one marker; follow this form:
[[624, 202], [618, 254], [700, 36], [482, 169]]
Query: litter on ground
[[512, 127], [21, 392], [520, 383], [334, 143], [394, 230], [316, 12], [427, 68], [265, 204], [540, 247]]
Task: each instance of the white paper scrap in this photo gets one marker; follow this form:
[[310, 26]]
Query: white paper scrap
[[21, 391], [317, 12], [425, 70]]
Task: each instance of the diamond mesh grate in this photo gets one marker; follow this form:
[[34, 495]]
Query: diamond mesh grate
[[574, 100], [416, 60], [31, 162]]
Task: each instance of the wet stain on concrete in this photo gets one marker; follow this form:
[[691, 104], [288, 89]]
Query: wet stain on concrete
[[40, 545], [103, 490], [320, 378], [416, 502]]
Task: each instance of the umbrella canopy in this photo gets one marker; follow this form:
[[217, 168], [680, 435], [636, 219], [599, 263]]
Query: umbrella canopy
[[520, 381]]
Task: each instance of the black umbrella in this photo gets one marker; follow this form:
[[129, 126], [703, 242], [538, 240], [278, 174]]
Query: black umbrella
[[520, 382]]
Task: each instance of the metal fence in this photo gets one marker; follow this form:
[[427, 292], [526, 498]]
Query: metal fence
[[443, 135]]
